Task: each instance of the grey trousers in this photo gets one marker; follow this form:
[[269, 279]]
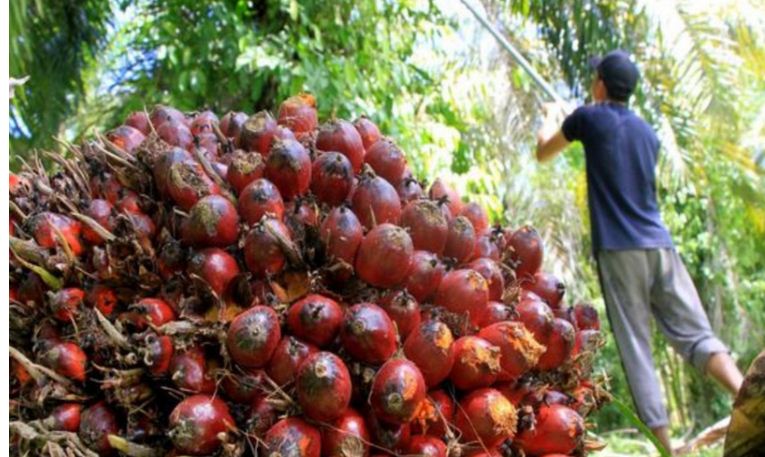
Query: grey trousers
[[641, 282]]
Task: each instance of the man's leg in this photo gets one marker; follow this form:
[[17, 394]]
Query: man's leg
[[625, 280]]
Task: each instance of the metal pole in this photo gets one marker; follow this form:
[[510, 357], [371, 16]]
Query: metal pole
[[544, 85]]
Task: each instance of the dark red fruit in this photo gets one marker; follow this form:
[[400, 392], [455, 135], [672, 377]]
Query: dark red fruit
[[375, 202], [68, 360], [203, 123], [298, 113], [247, 386], [558, 429], [520, 351], [476, 363], [302, 212], [492, 274], [368, 131], [476, 215], [66, 417], [586, 317], [496, 312], [263, 416], [427, 446], [425, 276], [176, 134], [430, 347], [161, 114], [392, 437], [231, 124], [331, 178], [126, 137], [207, 143], [100, 211], [97, 422], [537, 317], [260, 132], [153, 311], [51, 230], [547, 287], [409, 189], [525, 250], [559, 345], [440, 190], [161, 171], [216, 266], [397, 391], [341, 136], [427, 225], [586, 340], [464, 292], [345, 436], [288, 166], [198, 423], [385, 256], [435, 412], [263, 249], [387, 160], [139, 120], [293, 437], [460, 239], [403, 308], [323, 386], [487, 417], [253, 336], [368, 334], [287, 357], [212, 221], [158, 353], [189, 371], [341, 232], [245, 167], [259, 198], [103, 298], [187, 183], [316, 319], [486, 246], [66, 303]]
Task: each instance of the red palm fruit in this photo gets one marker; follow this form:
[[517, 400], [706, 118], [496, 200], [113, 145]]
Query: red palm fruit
[[231, 124], [203, 123], [586, 340], [216, 266], [331, 178], [586, 317], [409, 189], [298, 113], [425, 276], [547, 287], [375, 202], [51, 229], [430, 347], [537, 317], [65, 303], [464, 292], [427, 446], [143, 226], [496, 312], [161, 114], [68, 360], [441, 190], [212, 221], [397, 391], [97, 422], [126, 137], [492, 274], [153, 311], [341, 136], [139, 120], [559, 345], [31, 289], [427, 225], [403, 309], [392, 437], [161, 170], [486, 416], [245, 167], [520, 351], [176, 134], [476, 215], [263, 416], [460, 239], [385, 256], [263, 252], [515, 391], [103, 298], [302, 212], [525, 252], [187, 183], [345, 436], [436, 411], [558, 429], [494, 452], [207, 143], [293, 437], [66, 417], [100, 211], [158, 352], [341, 232], [107, 186], [247, 386], [287, 357], [387, 160], [198, 425], [171, 259], [323, 386], [316, 319], [545, 396], [476, 363], [189, 371], [368, 334], [259, 198], [253, 336], [486, 247], [368, 131], [288, 166], [259, 132]]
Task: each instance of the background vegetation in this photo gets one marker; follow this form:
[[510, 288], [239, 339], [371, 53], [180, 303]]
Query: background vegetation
[[435, 81]]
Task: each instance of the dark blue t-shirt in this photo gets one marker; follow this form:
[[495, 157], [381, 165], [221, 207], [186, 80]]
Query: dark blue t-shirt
[[621, 151]]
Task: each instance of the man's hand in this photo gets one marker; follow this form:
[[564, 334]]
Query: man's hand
[[550, 139]]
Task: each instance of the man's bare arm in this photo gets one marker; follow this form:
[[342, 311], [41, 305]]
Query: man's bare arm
[[550, 138]]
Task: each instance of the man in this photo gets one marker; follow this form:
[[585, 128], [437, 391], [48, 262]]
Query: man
[[640, 271]]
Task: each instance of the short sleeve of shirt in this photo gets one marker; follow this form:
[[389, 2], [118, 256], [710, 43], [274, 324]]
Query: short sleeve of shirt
[[574, 125]]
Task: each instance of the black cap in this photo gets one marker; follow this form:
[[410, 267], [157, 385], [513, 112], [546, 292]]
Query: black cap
[[618, 73]]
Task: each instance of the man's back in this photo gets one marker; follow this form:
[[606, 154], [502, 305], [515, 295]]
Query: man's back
[[621, 151]]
